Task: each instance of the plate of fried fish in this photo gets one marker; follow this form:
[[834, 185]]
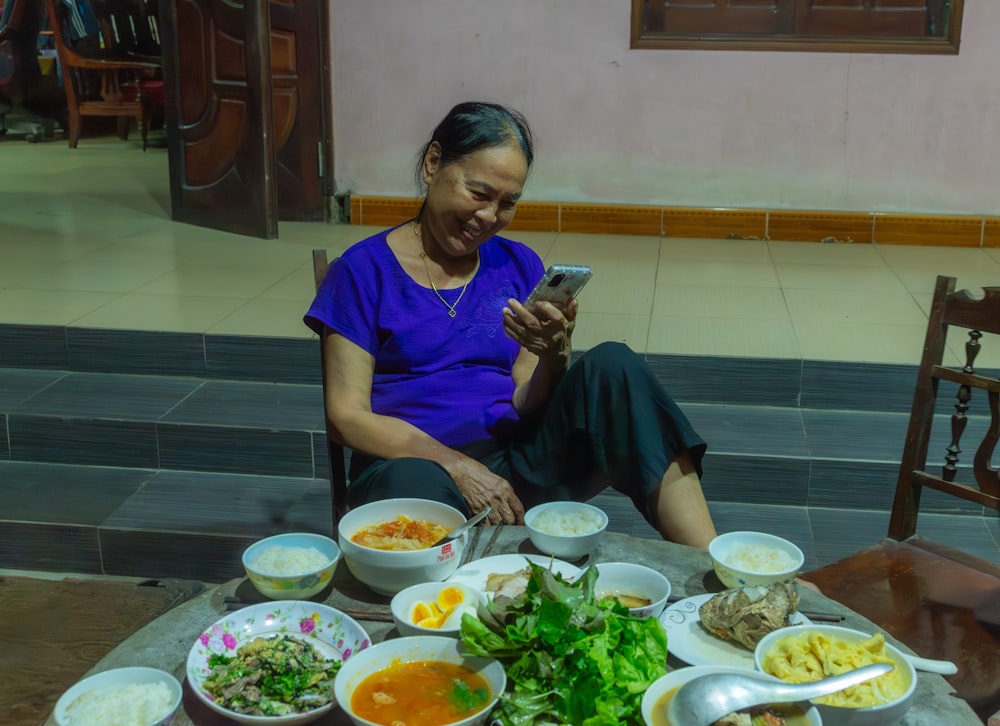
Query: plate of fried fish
[[723, 628]]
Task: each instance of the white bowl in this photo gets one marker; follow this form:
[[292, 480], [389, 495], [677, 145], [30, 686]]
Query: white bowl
[[724, 547], [387, 572], [565, 546], [417, 648], [331, 632], [884, 715], [300, 585], [658, 689], [627, 578], [118, 678], [404, 602]]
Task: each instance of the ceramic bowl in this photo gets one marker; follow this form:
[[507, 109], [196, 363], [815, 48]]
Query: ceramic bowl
[[754, 558], [333, 633], [387, 572], [417, 648], [882, 715], [291, 583], [628, 578], [656, 699], [433, 608], [567, 530], [126, 692]]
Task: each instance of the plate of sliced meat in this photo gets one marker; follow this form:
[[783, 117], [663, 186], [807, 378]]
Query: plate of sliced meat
[[507, 574]]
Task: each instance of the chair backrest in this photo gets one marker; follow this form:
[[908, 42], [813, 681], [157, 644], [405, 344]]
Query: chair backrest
[[979, 320], [99, 77], [338, 468]]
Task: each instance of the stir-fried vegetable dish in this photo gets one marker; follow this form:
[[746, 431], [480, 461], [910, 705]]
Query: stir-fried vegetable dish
[[570, 658], [272, 677]]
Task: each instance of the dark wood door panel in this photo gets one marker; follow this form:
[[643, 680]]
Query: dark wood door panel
[[721, 16], [219, 115], [298, 107], [885, 18]]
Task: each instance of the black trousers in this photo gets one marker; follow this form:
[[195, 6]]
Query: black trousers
[[609, 422]]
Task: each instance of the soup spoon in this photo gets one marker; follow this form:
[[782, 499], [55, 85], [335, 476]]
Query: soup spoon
[[704, 700], [464, 527]]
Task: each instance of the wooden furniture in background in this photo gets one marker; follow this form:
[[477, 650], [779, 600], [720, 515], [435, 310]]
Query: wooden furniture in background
[[940, 601], [338, 468], [103, 73]]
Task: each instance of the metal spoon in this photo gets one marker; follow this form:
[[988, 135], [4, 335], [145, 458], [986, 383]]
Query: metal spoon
[[704, 700], [463, 528]]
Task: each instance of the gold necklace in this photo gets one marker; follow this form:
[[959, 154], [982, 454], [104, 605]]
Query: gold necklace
[[423, 258]]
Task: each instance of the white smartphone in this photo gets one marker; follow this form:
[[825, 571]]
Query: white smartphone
[[560, 284]]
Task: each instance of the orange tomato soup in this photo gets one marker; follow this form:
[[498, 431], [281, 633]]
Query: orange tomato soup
[[421, 693], [401, 533]]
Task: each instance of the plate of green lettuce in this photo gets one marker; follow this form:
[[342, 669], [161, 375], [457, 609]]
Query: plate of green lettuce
[[570, 658]]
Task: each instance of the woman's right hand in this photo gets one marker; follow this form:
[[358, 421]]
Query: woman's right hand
[[482, 488]]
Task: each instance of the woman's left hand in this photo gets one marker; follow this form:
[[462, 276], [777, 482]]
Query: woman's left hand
[[545, 330]]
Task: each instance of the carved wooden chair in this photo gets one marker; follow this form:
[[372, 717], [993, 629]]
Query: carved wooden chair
[[338, 467], [108, 73], [940, 601]]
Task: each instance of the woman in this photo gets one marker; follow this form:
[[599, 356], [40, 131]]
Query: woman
[[447, 388]]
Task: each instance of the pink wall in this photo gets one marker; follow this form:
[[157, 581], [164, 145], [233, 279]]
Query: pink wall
[[703, 128]]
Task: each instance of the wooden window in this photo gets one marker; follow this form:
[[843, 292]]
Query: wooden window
[[856, 26]]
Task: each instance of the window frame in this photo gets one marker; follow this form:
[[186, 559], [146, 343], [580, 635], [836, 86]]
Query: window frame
[[947, 45]]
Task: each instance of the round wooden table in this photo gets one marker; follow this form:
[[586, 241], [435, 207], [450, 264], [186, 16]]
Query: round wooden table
[[165, 642]]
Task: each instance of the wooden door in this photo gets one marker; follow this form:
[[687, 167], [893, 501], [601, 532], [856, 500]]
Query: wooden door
[[298, 99], [245, 115], [217, 77]]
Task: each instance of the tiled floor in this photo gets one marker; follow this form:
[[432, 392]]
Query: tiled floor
[[86, 240]]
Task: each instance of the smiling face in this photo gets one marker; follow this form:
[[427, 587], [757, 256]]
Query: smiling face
[[470, 200]]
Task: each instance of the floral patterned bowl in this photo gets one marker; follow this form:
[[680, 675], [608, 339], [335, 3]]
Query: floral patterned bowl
[[330, 631]]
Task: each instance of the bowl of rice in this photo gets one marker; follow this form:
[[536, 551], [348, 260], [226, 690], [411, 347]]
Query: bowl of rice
[[805, 653], [754, 558], [134, 696], [387, 543], [291, 566], [567, 530]]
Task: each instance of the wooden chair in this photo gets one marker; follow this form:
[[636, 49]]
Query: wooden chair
[[940, 601], [338, 467], [108, 73]]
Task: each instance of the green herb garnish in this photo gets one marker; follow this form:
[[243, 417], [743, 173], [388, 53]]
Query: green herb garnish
[[569, 657]]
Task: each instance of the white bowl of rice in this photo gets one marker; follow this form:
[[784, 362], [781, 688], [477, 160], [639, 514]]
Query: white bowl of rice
[[134, 696], [567, 530], [291, 566], [754, 558]]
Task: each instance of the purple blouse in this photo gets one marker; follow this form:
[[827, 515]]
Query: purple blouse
[[449, 377]]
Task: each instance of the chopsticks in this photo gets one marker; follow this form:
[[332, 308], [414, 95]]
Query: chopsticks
[[232, 602], [492, 541], [814, 615]]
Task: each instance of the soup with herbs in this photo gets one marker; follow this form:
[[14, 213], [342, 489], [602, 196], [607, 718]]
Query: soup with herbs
[[420, 693], [777, 715]]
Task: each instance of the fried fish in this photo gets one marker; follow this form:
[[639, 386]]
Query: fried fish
[[746, 614]]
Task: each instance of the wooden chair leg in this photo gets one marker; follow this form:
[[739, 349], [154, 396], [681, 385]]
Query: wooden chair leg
[[123, 123], [74, 128]]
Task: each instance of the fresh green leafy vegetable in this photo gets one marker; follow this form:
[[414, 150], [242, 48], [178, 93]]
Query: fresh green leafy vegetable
[[570, 658], [466, 699]]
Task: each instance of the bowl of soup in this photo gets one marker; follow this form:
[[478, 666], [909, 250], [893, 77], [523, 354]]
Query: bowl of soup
[[387, 544], [421, 680], [643, 590], [656, 699], [803, 653]]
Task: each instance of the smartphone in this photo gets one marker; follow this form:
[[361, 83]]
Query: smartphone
[[560, 284]]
